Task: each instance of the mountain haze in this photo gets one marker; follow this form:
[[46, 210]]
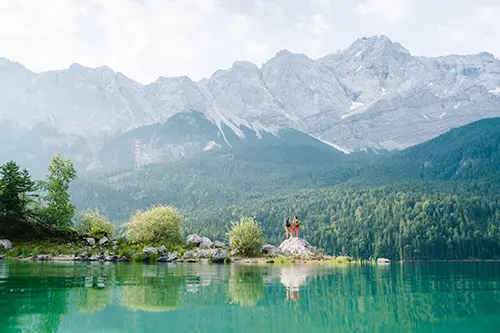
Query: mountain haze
[[374, 94]]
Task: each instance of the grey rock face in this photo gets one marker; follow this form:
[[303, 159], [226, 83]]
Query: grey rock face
[[274, 252], [372, 94], [205, 243], [111, 258], [90, 241], [193, 240], [6, 244], [103, 241], [383, 261], [162, 249], [149, 251], [220, 256], [188, 255], [267, 247], [298, 248], [219, 245]]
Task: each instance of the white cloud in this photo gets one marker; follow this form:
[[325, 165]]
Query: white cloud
[[324, 6], [242, 27], [148, 38], [391, 11], [135, 37]]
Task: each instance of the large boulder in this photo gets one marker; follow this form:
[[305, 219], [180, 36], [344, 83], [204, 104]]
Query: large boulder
[[267, 247], [112, 257], [188, 255], [162, 249], [193, 240], [383, 261], [219, 245], [220, 256], [148, 251], [90, 241], [205, 244], [103, 241], [298, 248], [43, 257], [274, 252], [6, 244]]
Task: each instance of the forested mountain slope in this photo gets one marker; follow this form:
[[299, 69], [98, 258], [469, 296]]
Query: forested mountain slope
[[468, 152]]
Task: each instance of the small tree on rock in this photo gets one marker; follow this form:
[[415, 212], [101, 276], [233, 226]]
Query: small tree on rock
[[246, 236], [159, 224]]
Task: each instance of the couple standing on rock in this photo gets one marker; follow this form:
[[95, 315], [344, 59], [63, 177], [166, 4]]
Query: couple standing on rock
[[291, 226]]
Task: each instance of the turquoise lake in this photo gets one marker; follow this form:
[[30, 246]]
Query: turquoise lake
[[93, 297]]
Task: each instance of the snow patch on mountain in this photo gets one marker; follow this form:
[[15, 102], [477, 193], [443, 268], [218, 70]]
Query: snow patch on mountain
[[209, 146], [495, 91], [339, 148]]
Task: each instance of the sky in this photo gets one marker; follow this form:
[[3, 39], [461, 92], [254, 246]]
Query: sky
[[145, 39]]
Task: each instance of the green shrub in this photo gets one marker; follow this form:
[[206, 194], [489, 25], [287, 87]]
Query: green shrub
[[246, 236], [159, 224], [95, 225]]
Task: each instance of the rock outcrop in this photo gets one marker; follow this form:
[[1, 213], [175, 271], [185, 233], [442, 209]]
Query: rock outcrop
[[383, 261], [220, 256], [6, 244], [219, 245], [271, 250], [205, 244], [193, 240], [298, 248]]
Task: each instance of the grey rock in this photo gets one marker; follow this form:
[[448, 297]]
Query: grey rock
[[188, 255], [2, 256], [298, 248], [43, 257], [201, 255], [220, 256], [111, 257], [219, 245], [62, 257], [383, 261], [267, 247], [103, 241], [162, 249], [193, 240], [162, 259], [172, 256], [116, 247], [6, 244], [274, 252], [123, 259], [149, 251], [206, 243], [90, 241]]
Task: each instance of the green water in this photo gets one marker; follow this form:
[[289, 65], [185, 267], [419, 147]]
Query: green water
[[70, 297]]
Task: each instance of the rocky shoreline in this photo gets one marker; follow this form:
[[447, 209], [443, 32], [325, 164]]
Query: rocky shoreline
[[198, 249]]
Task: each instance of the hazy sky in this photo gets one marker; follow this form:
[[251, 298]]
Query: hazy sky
[[148, 38]]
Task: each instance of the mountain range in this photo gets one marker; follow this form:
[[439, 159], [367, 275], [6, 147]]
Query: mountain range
[[372, 95]]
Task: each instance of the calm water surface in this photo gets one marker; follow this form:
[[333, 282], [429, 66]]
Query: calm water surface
[[70, 297]]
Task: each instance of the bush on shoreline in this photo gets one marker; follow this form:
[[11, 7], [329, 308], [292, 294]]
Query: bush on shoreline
[[159, 224], [246, 236]]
